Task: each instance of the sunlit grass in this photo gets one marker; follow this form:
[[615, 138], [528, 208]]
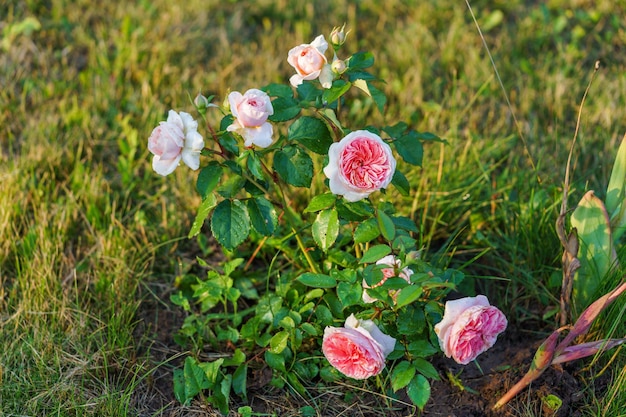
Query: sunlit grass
[[84, 221]]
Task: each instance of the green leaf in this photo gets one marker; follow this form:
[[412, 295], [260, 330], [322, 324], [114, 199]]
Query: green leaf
[[278, 342], [240, 378], [407, 295], [320, 202], [396, 130], [325, 228], [387, 228], [294, 166], [418, 391], [285, 108], [254, 165], [221, 396], [203, 212], [195, 378], [338, 88], [349, 294], [360, 60], [401, 375], [410, 148], [262, 215], [375, 253], [425, 368], [230, 223], [412, 321], [275, 361], [208, 178], [317, 280], [401, 183], [422, 348], [309, 329], [596, 253], [312, 133], [232, 186], [366, 231], [308, 92], [278, 90], [179, 387], [368, 88], [211, 370], [615, 191]]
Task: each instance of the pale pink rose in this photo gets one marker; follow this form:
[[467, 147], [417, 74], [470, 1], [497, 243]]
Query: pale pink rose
[[469, 327], [251, 111], [357, 350], [387, 273], [173, 140], [310, 63], [359, 164]]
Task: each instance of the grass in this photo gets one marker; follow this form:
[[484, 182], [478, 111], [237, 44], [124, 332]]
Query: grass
[[87, 231]]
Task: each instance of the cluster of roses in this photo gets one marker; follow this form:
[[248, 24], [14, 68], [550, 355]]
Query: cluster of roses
[[359, 164]]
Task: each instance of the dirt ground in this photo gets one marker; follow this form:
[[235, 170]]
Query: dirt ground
[[473, 394]]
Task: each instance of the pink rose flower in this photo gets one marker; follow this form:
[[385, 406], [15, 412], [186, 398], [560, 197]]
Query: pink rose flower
[[469, 327], [310, 63], [387, 273], [251, 111], [359, 164], [357, 350], [173, 140]]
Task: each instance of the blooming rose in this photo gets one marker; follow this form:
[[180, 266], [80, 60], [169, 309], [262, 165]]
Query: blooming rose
[[174, 139], [251, 111], [359, 164], [469, 327], [387, 273], [357, 350], [310, 63]]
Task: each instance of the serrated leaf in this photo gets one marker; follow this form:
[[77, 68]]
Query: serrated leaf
[[387, 228], [320, 202], [366, 231], [325, 228], [278, 90], [208, 178], [254, 165], [308, 92], [401, 183], [294, 166], [426, 368], [418, 391], [275, 361], [285, 108], [317, 280], [312, 133], [338, 88], [375, 253], [262, 215], [360, 60], [349, 294], [401, 375], [407, 295], [230, 223], [203, 212], [410, 148]]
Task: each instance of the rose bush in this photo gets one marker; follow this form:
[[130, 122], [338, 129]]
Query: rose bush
[[359, 164], [173, 140], [357, 350], [323, 251], [469, 327]]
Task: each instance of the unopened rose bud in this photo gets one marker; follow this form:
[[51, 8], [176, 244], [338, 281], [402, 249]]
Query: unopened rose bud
[[338, 36], [201, 102], [339, 66]]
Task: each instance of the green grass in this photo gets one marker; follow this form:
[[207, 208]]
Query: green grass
[[87, 229]]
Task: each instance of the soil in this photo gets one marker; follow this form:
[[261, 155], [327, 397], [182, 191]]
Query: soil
[[473, 395]]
